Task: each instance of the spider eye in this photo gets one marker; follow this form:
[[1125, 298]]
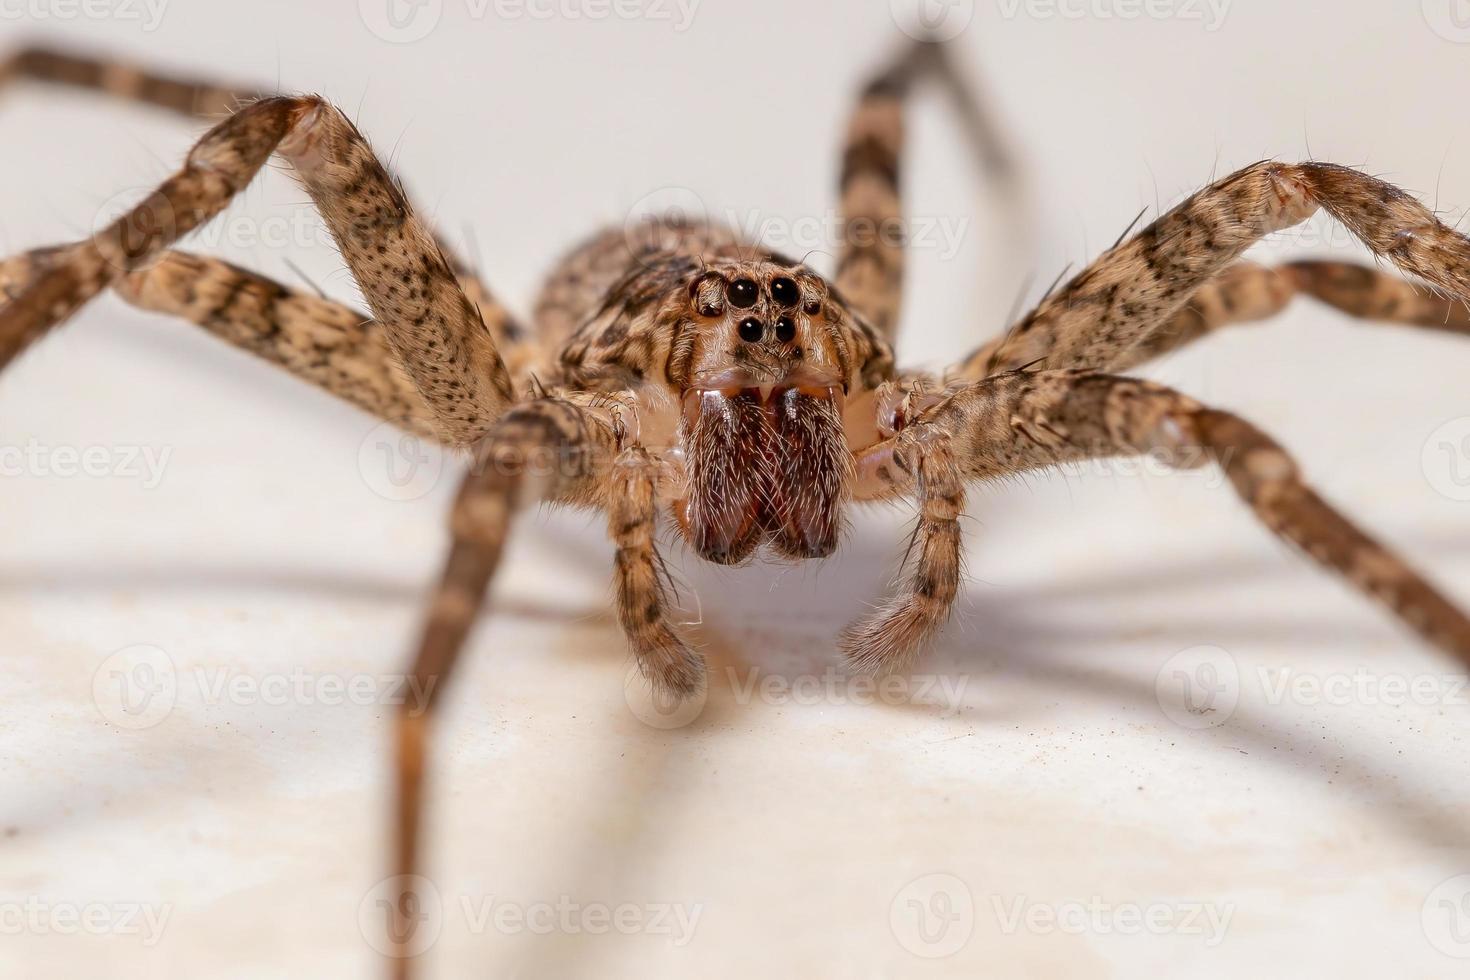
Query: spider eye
[[785, 330], [743, 294], [813, 307], [751, 329], [784, 292]]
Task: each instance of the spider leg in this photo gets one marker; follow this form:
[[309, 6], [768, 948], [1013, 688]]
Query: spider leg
[[548, 450], [191, 97], [1247, 292], [211, 100], [433, 328], [339, 349], [589, 470], [663, 656], [1019, 421], [1138, 286], [870, 266]]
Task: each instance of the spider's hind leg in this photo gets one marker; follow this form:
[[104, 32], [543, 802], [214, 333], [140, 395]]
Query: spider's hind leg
[[1247, 292], [870, 266], [1137, 287]]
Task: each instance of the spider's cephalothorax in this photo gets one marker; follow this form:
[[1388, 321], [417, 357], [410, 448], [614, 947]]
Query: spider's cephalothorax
[[743, 364], [681, 369]]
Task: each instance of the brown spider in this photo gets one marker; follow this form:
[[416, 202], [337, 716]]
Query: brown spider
[[676, 368]]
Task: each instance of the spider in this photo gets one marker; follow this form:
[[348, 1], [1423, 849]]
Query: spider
[[674, 369]]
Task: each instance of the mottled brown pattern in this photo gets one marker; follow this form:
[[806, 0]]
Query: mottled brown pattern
[[123, 80], [646, 327], [1023, 421], [870, 264], [889, 638], [210, 100], [674, 669], [548, 450], [678, 370], [1138, 286], [221, 164], [1248, 293]]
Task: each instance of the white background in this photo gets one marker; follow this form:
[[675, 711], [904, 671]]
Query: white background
[[804, 831]]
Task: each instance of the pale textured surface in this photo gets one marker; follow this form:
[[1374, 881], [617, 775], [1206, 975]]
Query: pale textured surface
[[1320, 829]]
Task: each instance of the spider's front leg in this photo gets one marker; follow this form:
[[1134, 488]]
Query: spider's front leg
[[1020, 421], [436, 332], [921, 458], [674, 669], [549, 450]]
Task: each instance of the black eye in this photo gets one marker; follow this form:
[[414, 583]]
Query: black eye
[[813, 307], [751, 329], [743, 294], [784, 292], [785, 330]]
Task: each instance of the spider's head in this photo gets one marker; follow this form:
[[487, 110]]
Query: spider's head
[[764, 364], [756, 357]]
